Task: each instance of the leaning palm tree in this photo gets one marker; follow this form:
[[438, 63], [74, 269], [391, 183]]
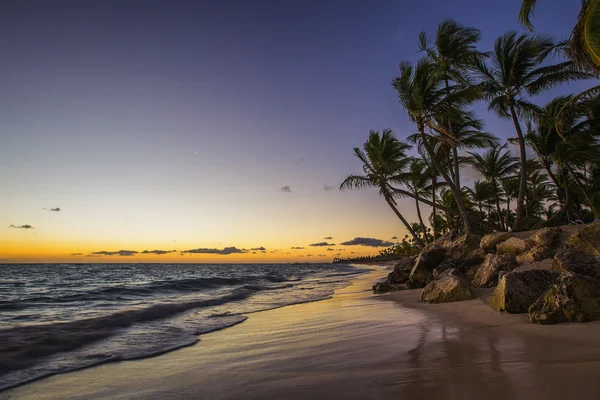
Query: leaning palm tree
[[417, 180], [494, 164], [513, 73], [422, 95], [454, 53], [384, 161], [583, 46]]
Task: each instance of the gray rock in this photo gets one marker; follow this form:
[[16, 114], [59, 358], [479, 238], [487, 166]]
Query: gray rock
[[451, 286], [463, 247], [547, 237], [537, 253], [487, 274], [488, 242], [385, 287], [514, 246], [586, 239], [575, 260], [430, 257], [517, 291], [401, 272]]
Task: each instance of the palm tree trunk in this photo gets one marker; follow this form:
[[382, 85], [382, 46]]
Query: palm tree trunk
[[421, 199], [421, 222], [567, 198], [498, 205], [459, 201], [433, 189], [507, 211], [518, 225], [406, 224], [455, 164], [580, 186]]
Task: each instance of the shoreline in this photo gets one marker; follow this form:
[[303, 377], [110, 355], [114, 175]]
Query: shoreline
[[355, 345]]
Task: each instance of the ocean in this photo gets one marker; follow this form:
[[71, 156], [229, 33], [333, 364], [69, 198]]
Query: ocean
[[56, 318]]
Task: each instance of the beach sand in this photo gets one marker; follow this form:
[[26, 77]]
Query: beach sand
[[357, 346]]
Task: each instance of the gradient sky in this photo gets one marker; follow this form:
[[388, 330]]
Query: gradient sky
[[174, 125]]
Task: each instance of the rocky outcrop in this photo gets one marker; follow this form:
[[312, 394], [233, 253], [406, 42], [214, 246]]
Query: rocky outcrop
[[586, 239], [490, 241], [517, 291], [514, 245], [463, 247], [430, 257], [401, 271], [537, 253], [577, 261], [451, 286], [385, 287], [572, 298], [487, 274], [547, 237]]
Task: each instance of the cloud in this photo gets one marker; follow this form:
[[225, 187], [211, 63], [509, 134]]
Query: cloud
[[309, 255], [352, 252], [55, 209], [75, 254], [26, 226], [224, 251], [328, 238], [297, 248], [285, 189], [258, 249], [394, 238], [158, 252], [327, 188], [330, 249], [369, 242], [93, 255], [121, 253], [322, 244], [322, 255]]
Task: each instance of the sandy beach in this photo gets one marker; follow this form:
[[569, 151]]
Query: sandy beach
[[356, 346]]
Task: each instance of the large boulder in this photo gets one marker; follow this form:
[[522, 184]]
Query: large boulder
[[517, 291], [385, 287], [487, 274], [488, 242], [537, 253], [463, 247], [430, 257], [514, 245], [586, 239], [572, 298], [452, 286], [575, 260], [547, 237], [401, 271]]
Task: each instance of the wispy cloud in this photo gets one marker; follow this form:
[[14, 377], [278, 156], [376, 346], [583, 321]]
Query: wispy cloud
[[369, 242], [93, 255], [285, 189], [394, 238], [121, 253], [55, 209], [309, 255], [330, 249], [322, 255], [158, 252], [322, 244], [76, 254], [224, 251], [328, 238], [259, 249], [297, 248], [26, 226], [327, 188]]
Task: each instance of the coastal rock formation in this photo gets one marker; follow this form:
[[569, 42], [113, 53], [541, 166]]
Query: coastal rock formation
[[572, 298], [445, 266], [431, 256], [537, 253], [586, 239], [401, 271], [574, 260], [487, 274], [464, 247], [488, 242], [385, 287], [547, 237], [514, 245], [451, 286], [517, 291]]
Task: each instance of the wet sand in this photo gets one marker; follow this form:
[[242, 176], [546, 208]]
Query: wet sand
[[356, 346]]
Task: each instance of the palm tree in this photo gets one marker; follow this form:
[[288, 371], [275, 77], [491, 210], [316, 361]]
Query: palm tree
[[495, 164], [583, 46], [514, 72], [482, 193], [454, 53], [510, 187], [384, 161], [421, 94], [417, 180]]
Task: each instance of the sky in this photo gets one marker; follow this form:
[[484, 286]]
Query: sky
[[211, 131]]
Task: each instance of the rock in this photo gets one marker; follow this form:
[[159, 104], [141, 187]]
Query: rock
[[444, 266], [385, 287], [488, 242], [586, 239], [517, 291], [547, 237], [537, 253], [462, 247], [430, 257], [575, 260], [401, 271], [572, 298], [451, 286], [514, 246], [487, 274]]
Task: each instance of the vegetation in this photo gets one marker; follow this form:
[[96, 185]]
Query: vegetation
[[560, 185]]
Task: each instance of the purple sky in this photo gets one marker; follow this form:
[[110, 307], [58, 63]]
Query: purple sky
[[181, 120]]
